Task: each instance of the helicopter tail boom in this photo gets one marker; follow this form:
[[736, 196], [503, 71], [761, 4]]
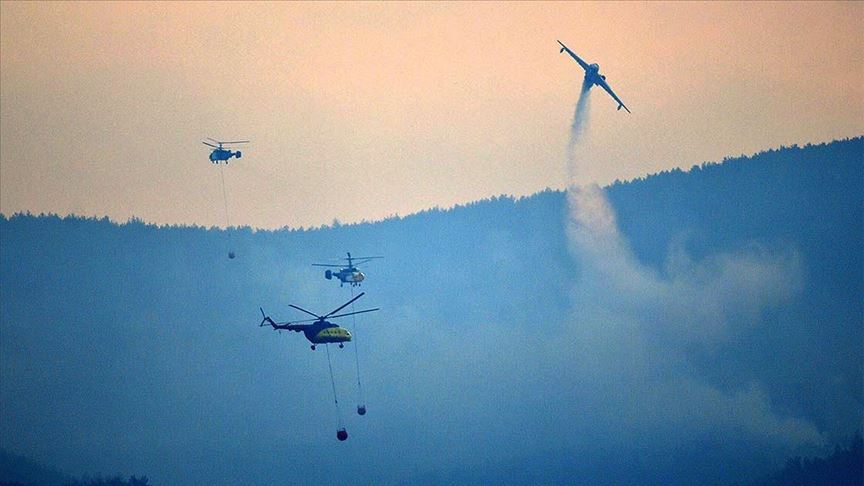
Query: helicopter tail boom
[[284, 326]]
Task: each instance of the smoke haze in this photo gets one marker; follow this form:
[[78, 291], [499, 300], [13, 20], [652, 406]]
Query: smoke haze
[[653, 332], [637, 330]]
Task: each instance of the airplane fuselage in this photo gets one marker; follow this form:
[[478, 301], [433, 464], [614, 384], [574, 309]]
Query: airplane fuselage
[[593, 76]]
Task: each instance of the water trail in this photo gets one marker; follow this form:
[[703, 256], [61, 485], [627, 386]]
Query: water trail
[[635, 327], [591, 221], [577, 128]]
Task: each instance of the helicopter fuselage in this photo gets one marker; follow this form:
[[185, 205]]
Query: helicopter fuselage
[[347, 275], [320, 331], [326, 332], [218, 155]]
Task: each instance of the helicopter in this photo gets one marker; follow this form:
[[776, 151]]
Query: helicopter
[[319, 331], [219, 154], [350, 274]]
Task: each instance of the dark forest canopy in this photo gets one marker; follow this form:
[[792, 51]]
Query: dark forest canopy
[[723, 337], [843, 467]]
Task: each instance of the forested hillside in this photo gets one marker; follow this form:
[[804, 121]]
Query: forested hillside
[[730, 340]]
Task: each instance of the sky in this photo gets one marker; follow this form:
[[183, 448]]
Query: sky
[[362, 111]]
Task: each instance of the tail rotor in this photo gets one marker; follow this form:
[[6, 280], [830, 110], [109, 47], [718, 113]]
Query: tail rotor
[[266, 319]]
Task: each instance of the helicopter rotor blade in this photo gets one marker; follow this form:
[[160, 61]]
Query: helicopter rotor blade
[[356, 259], [236, 141], [364, 259], [210, 145], [325, 265], [352, 313], [361, 294], [306, 311]]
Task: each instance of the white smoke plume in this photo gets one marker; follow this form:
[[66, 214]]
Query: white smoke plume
[[636, 328]]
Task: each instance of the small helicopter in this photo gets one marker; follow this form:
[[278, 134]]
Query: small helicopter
[[350, 274], [319, 331], [219, 154]]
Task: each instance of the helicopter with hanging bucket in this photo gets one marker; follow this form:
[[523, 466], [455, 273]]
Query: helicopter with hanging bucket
[[349, 274], [221, 153], [318, 330]]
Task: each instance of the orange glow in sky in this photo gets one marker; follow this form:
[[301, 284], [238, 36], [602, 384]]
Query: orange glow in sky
[[363, 110]]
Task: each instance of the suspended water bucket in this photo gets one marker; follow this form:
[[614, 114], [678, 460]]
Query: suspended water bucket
[[361, 409], [342, 434], [231, 255]]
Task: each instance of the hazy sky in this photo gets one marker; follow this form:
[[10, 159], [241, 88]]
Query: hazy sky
[[366, 110]]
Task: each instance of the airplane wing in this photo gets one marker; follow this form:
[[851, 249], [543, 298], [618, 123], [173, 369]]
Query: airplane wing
[[574, 56], [605, 86]]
